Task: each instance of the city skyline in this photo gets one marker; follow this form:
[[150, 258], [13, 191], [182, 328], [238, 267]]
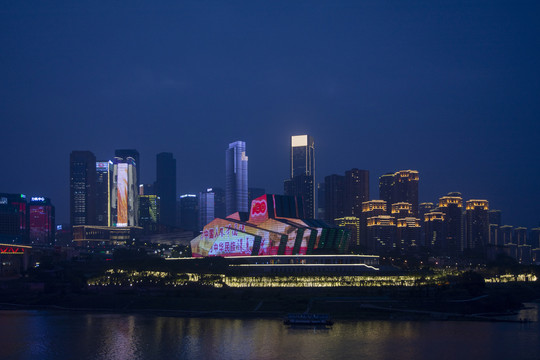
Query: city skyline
[[451, 92]]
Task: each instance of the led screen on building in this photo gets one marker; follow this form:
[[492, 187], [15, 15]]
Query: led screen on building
[[226, 241], [122, 195]]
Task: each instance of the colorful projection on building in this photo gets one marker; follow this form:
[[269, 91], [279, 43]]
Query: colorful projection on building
[[122, 192], [223, 241]]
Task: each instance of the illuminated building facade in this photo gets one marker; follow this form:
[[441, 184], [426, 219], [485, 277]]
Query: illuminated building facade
[[303, 165], [401, 186], [381, 233], [41, 221], [254, 193], [188, 212], [370, 209], [386, 190], [149, 207], [236, 177], [408, 234], [13, 219], [477, 226], [506, 234], [82, 184], [134, 154], [124, 193], [435, 232], [452, 207], [103, 192], [402, 210], [165, 187], [275, 227], [520, 235]]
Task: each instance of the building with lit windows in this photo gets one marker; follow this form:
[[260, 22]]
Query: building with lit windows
[[401, 186], [477, 227], [149, 212], [381, 233], [134, 154], [402, 210], [435, 232], [13, 219], [408, 234], [370, 209], [236, 177], [452, 207], [82, 183], [356, 191], [103, 192], [41, 221], [352, 223], [302, 165]]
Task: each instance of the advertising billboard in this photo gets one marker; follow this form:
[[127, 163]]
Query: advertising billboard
[[122, 195], [223, 241]]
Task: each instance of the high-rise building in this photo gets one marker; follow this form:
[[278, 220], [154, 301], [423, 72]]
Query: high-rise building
[[352, 223], [149, 207], [334, 197], [402, 210], [303, 167], [495, 217], [452, 207], [220, 210], [165, 187], [381, 233], [125, 193], [401, 186], [356, 191], [103, 192], [207, 208], [435, 232], [236, 178], [370, 209], [408, 234], [520, 234], [41, 221], [13, 219], [506, 234], [477, 226], [82, 183], [534, 239], [386, 189], [188, 211], [134, 154], [321, 204]]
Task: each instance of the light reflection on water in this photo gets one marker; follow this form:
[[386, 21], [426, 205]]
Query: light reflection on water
[[56, 335]]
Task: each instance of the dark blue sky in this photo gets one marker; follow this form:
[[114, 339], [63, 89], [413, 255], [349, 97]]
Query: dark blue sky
[[451, 89]]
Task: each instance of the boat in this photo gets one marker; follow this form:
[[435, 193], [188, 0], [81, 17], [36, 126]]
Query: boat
[[308, 319]]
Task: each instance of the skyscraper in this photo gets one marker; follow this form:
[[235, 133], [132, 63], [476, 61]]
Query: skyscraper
[[236, 178], [134, 154], [303, 165], [477, 226], [13, 218], [356, 191], [452, 206], [41, 221], [334, 197], [188, 211], [207, 209], [166, 187], [125, 193], [82, 183], [402, 186], [103, 192]]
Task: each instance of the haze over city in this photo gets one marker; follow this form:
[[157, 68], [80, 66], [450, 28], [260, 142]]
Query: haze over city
[[451, 91]]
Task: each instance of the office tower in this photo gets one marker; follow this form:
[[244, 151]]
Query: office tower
[[254, 193], [124, 193], [435, 232], [321, 204], [82, 183], [188, 211], [381, 233], [134, 154], [303, 167], [423, 209], [406, 188], [520, 236], [386, 189], [13, 219], [41, 221], [236, 178], [477, 226], [165, 187], [495, 217], [451, 205], [402, 210], [408, 234], [207, 207], [149, 207], [506, 234], [103, 192], [356, 191], [334, 197]]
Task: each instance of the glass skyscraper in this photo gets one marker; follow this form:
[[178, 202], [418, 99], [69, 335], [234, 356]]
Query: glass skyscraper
[[236, 178], [302, 180]]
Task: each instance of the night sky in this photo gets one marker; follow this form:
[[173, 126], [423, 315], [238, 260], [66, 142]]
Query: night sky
[[448, 88]]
